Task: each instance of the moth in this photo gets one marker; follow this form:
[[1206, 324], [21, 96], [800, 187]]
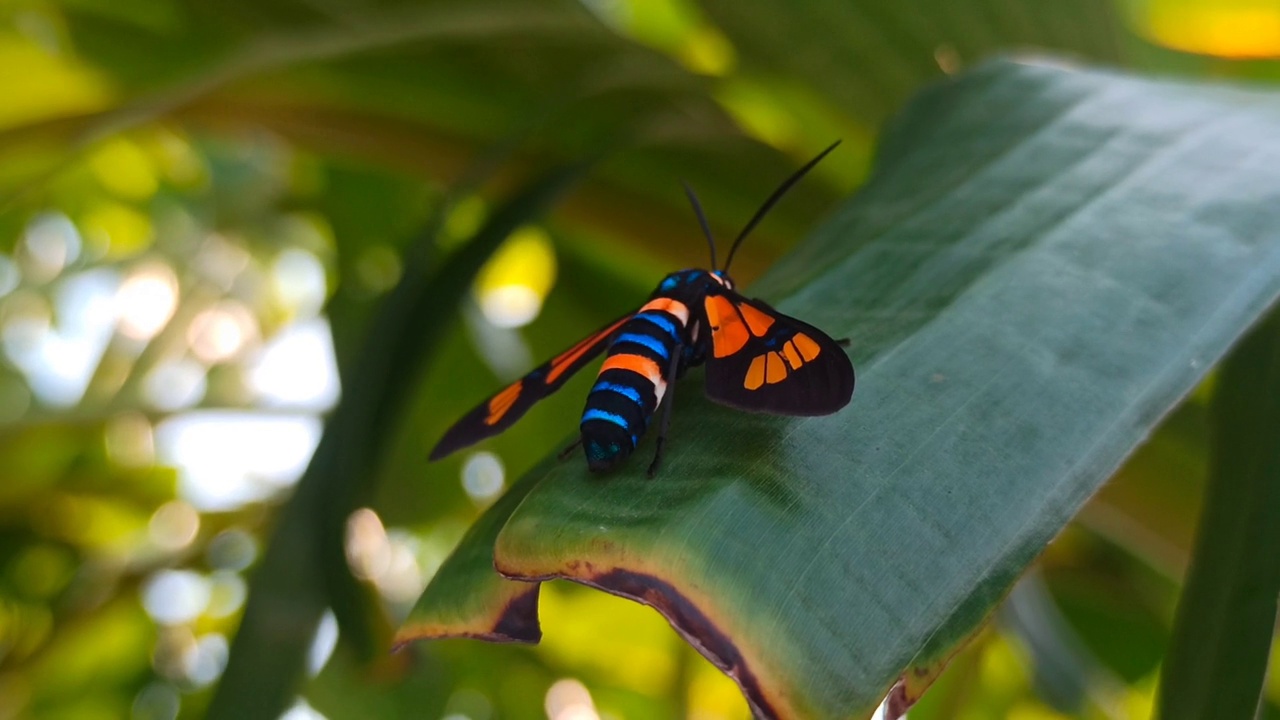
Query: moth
[[756, 358]]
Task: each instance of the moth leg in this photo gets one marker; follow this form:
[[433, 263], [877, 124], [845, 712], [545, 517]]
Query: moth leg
[[844, 342], [565, 453], [670, 400]]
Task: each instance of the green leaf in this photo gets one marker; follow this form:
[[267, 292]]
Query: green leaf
[[1042, 264], [467, 598], [1227, 614]]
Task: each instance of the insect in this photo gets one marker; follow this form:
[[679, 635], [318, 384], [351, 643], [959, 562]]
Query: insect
[[757, 359]]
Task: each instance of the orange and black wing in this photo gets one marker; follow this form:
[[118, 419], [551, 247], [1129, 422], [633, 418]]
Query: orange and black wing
[[759, 359], [502, 410]]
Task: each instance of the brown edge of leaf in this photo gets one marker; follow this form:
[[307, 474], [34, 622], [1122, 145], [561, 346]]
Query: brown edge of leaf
[[517, 622], [691, 623], [919, 676]]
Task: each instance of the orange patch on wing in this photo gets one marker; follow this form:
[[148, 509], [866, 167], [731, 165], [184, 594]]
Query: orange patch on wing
[[566, 359], [755, 374], [793, 355], [502, 402], [758, 321], [728, 333], [775, 368], [636, 364], [806, 345]]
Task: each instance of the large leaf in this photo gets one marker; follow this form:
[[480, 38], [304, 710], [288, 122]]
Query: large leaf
[[1044, 262]]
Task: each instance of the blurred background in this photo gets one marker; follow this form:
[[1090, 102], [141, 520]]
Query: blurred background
[[208, 207]]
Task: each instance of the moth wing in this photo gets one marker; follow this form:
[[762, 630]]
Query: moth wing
[[502, 409], [761, 360]]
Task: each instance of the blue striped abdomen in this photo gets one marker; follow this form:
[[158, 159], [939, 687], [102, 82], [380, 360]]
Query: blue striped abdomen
[[632, 382]]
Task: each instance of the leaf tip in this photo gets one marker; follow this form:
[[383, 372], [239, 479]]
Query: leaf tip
[[515, 622]]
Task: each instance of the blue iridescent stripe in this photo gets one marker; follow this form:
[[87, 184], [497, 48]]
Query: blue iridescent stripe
[[594, 414], [623, 390], [645, 341], [661, 322]]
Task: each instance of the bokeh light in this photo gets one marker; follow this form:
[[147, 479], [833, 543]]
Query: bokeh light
[[51, 242], [146, 300], [569, 699], [175, 384], [323, 643], [301, 710], [232, 549], [367, 547], [129, 440], [483, 476], [206, 659], [227, 593], [58, 360], [297, 368], [10, 275], [298, 278], [157, 701], [175, 597], [221, 332], [388, 559], [402, 581], [220, 261], [173, 526], [269, 454], [513, 284]]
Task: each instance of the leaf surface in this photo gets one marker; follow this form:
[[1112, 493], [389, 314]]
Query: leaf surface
[[1042, 264]]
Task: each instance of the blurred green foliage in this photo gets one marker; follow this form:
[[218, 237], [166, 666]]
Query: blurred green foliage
[[204, 205]]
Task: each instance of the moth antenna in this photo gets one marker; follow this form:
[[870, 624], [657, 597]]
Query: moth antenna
[[773, 199], [702, 220]]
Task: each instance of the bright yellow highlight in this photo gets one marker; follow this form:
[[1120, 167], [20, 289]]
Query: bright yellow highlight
[[1003, 666], [1139, 701], [124, 169], [118, 229], [712, 694], [591, 630], [707, 51], [47, 86], [1222, 28], [515, 281], [755, 107]]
